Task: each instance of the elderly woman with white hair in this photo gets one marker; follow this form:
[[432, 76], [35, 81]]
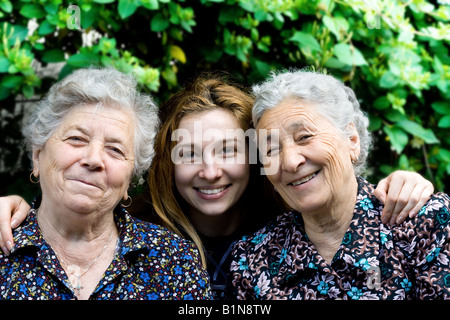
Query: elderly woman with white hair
[[89, 137], [333, 244]]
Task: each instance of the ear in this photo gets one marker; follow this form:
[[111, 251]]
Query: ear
[[355, 146], [35, 157]]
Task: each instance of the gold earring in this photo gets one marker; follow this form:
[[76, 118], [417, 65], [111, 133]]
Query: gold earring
[[355, 161], [31, 178], [129, 204]]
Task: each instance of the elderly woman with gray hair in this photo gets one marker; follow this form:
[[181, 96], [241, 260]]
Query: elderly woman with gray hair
[[89, 137], [333, 244]]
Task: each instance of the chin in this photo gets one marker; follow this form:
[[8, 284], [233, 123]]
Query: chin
[[82, 205], [213, 211]]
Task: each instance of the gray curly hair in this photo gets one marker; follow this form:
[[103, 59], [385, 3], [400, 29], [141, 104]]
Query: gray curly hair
[[103, 86], [333, 99]]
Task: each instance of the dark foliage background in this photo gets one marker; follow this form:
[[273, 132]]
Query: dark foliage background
[[394, 54]]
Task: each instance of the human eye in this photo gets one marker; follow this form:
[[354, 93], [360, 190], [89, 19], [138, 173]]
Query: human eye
[[272, 151], [228, 151], [116, 152], [76, 140], [304, 137], [188, 155]]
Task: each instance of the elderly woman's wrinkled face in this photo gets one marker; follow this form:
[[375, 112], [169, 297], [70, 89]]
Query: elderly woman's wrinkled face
[[87, 163], [312, 156]]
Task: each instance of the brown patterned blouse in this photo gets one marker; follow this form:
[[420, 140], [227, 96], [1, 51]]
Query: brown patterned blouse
[[374, 261]]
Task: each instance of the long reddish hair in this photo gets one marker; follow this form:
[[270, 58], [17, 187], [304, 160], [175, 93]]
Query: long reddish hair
[[206, 92]]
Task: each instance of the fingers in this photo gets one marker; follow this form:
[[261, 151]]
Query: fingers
[[19, 208], [380, 191], [404, 202], [5, 225], [421, 196], [393, 203], [406, 195], [20, 213]]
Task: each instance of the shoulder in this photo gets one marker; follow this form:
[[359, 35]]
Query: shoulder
[[175, 261], [434, 215], [437, 208], [166, 242], [273, 234], [429, 232]]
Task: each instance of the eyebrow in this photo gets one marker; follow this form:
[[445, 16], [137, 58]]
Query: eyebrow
[[84, 131], [296, 125]]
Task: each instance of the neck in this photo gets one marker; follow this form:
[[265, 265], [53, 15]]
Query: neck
[[84, 244], [327, 226], [220, 225], [76, 238], [71, 226]]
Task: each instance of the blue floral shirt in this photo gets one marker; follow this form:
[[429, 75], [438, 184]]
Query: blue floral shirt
[[374, 261], [150, 263]]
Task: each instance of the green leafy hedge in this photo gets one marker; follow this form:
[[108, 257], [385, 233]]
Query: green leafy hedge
[[394, 54]]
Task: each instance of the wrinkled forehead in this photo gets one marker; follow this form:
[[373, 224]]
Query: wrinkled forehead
[[115, 121], [290, 115]]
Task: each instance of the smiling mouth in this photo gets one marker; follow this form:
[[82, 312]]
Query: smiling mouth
[[304, 180], [210, 191], [87, 183]]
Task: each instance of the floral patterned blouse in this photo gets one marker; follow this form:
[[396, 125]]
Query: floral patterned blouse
[[374, 261], [150, 263]]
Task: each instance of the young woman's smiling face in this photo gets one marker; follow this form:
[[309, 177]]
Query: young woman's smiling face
[[213, 172]]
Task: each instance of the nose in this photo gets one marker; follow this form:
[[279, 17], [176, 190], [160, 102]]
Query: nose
[[210, 171], [93, 157], [292, 158]]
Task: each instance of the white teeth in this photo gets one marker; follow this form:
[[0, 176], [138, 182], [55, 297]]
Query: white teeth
[[306, 179], [212, 191]]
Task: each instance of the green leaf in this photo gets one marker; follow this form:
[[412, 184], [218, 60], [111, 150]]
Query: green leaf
[[89, 17], [170, 76], [104, 1], [388, 80], [403, 162], [381, 103], [151, 4], [46, 28], [4, 64], [4, 93], [127, 8], [444, 122], [397, 137], [159, 23], [17, 33], [32, 10], [417, 130], [81, 60], [52, 56], [375, 123], [442, 107], [6, 6], [11, 81], [306, 41], [444, 155], [28, 91], [336, 25], [177, 53], [349, 55]]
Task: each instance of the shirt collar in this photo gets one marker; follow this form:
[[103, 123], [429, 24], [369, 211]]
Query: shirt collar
[[132, 232], [360, 246], [28, 233]]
